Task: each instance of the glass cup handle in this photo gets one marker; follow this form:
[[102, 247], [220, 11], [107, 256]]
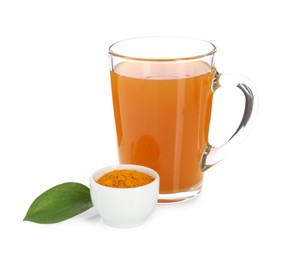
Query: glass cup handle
[[213, 155]]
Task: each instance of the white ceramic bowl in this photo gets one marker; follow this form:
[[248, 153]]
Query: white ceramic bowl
[[124, 207]]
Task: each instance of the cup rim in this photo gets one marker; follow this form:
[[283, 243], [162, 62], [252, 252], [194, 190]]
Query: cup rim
[[113, 52], [110, 168]]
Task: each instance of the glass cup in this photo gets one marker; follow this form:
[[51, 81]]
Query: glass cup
[[162, 90]]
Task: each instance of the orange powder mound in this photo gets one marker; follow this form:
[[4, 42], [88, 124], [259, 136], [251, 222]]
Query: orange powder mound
[[125, 179]]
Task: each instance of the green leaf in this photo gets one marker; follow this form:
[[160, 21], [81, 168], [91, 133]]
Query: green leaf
[[60, 203]]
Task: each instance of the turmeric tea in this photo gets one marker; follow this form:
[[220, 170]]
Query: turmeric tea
[[125, 179]]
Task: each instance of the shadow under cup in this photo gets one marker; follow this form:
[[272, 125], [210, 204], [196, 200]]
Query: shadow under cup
[[162, 90]]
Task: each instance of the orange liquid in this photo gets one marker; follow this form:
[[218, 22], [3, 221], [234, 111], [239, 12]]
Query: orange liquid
[[162, 115]]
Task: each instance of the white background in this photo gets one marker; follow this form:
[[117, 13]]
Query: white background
[[56, 125]]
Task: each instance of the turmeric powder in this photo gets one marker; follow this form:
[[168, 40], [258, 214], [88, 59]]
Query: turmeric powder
[[125, 179]]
